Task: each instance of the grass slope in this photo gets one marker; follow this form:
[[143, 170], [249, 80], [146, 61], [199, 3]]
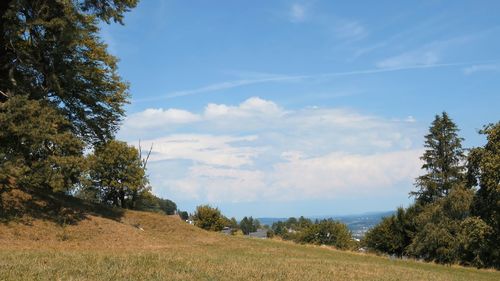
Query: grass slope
[[147, 246]]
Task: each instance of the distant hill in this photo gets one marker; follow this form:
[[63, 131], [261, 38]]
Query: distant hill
[[357, 223]]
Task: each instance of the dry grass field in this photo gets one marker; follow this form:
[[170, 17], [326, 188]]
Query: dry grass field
[[148, 246]]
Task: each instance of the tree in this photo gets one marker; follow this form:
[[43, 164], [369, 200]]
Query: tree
[[117, 174], [37, 148], [441, 229], [183, 215], [248, 225], [209, 218], [50, 51], [147, 201], [442, 158], [484, 172], [393, 234], [328, 232]]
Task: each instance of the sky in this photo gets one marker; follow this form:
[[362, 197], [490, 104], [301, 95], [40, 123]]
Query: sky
[[289, 108]]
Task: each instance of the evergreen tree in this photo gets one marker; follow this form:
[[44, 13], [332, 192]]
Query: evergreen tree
[[442, 158], [50, 51]]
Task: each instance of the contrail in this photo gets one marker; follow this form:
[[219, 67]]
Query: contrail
[[282, 78]]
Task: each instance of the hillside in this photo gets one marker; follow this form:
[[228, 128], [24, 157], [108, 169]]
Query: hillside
[[131, 245]]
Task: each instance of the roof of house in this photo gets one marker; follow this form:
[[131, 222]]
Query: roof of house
[[260, 233]]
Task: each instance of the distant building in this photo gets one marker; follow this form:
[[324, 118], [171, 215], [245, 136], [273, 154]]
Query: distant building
[[227, 230], [260, 233]]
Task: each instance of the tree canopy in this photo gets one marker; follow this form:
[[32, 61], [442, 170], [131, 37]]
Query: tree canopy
[[50, 51], [117, 174]]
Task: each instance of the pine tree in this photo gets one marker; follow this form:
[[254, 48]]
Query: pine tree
[[443, 161]]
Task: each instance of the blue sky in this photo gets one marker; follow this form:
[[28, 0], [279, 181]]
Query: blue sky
[[288, 108]]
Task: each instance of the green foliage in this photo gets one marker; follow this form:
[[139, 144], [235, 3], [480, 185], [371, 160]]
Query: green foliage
[[184, 215], [439, 226], [51, 52], [393, 234], [442, 160], [449, 222], [327, 232], [475, 242], [147, 201], [117, 174], [248, 225], [484, 171], [37, 147], [209, 218]]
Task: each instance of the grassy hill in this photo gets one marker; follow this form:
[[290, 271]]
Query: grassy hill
[[79, 243]]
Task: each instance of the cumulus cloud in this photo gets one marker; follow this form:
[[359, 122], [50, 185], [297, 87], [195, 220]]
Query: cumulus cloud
[[154, 117], [258, 151], [205, 149]]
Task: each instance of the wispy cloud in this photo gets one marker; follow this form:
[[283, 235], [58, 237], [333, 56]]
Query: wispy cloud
[[427, 57], [391, 65], [297, 12], [480, 68], [349, 29]]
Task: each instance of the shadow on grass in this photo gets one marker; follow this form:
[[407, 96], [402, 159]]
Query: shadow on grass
[[22, 205]]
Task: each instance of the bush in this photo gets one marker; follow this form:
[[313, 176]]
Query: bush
[[328, 232], [209, 218]]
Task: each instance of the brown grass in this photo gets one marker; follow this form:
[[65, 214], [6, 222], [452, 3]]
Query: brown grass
[[104, 248]]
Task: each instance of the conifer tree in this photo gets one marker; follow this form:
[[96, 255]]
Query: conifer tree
[[443, 161]]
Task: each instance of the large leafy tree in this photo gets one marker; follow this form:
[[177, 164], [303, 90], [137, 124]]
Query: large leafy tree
[[443, 161], [484, 172], [117, 174], [50, 51], [37, 147]]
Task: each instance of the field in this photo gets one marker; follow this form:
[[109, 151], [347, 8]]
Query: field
[[148, 246]]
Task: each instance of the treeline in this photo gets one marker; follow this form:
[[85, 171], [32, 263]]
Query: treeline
[[61, 102], [455, 217], [212, 219], [301, 230], [319, 232]]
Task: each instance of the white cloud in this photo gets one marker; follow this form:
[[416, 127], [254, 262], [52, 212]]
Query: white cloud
[[251, 107], [338, 173], [257, 150], [481, 67], [154, 117], [205, 149], [297, 12]]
